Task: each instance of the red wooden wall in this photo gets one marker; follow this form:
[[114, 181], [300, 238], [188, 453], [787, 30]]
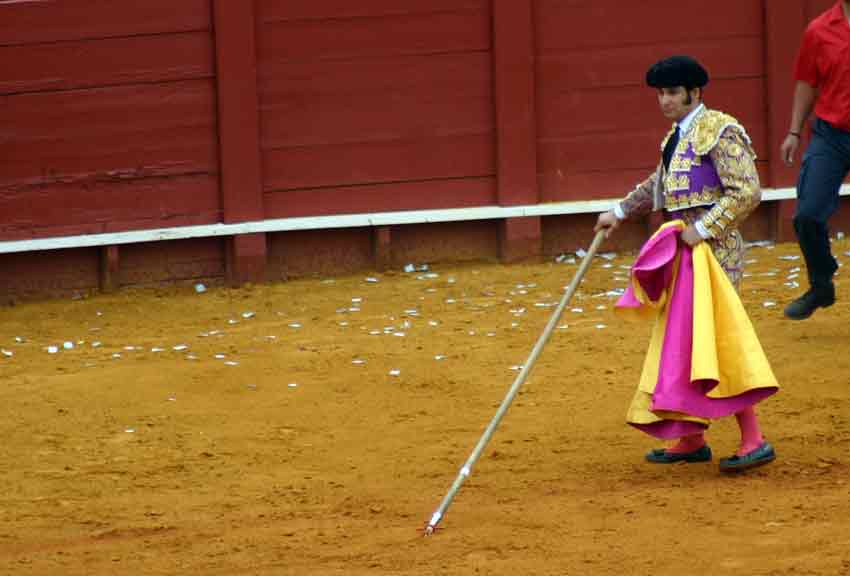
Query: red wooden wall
[[109, 117], [598, 125], [375, 106], [119, 115]]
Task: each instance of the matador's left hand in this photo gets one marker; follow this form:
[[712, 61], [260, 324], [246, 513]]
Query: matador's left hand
[[690, 236]]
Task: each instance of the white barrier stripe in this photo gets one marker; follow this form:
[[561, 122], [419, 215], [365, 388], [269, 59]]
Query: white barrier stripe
[[338, 221]]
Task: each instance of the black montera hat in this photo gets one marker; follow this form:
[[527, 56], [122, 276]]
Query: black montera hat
[[677, 71]]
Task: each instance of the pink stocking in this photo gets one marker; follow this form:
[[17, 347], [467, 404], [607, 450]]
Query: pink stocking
[[688, 444], [751, 437]]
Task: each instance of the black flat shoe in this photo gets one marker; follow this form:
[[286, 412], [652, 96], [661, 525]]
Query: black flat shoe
[[762, 455], [662, 456]]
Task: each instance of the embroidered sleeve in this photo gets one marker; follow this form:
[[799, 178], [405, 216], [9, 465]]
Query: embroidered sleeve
[[639, 200], [734, 160]]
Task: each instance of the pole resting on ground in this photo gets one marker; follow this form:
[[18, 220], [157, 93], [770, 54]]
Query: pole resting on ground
[[518, 382]]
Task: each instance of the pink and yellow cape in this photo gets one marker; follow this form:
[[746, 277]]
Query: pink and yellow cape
[[704, 359]]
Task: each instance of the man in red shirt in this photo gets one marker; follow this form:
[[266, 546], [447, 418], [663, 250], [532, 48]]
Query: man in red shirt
[[823, 82]]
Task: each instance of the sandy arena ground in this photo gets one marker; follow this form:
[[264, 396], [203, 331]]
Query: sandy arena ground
[[316, 436]]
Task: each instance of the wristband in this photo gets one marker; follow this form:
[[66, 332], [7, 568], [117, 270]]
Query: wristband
[[797, 134]]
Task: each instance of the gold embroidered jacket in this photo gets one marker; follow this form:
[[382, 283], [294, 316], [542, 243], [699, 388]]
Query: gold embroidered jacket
[[713, 167]]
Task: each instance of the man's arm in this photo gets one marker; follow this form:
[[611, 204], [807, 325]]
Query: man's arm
[[804, 99], [637, 203]]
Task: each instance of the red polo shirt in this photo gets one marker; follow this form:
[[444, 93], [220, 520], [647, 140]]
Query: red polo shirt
[[824, 62]]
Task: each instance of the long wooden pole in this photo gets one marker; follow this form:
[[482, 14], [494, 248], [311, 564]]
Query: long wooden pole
[[466, 469]]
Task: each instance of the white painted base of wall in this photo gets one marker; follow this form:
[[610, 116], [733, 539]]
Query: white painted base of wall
[[341, 221]]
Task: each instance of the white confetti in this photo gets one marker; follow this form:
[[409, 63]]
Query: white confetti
[[96, 344], [221, 356], [231, 363], [295, 325], [789, 257], [156, 349], [395, 372], [68, 345], [293, 385], [6, 353], [248, 315], [769, 304], [180, 347], [601, 326], [358, 361], [439, 357], [372, 280], [577, 310]]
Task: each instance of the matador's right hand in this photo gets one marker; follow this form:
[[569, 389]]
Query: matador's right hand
[[607, 221]]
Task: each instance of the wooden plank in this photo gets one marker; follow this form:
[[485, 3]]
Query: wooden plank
[[783, 23], [435, 194], [591, 24], [276, 11], [618, 150], [374, 37], [377, 101], [179, 260], [513, 61], [114, 61], [60, 20], [312, 252], [93, 207], [238, 118], [373, 162], [636, 108], [134, 131], [815, 8], [54, 273], [626, 66]]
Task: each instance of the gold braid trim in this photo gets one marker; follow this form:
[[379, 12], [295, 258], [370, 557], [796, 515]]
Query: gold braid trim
[[708, 127]]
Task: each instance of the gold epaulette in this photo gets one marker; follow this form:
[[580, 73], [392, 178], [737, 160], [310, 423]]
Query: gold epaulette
[[709, 126]]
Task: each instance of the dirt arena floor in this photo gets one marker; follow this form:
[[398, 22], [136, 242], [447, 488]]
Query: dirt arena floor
[[312, 428]]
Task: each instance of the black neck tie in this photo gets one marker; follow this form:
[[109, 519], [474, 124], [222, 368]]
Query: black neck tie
[[670, 147]]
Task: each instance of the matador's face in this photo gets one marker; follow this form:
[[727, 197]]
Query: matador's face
[[677, 102]]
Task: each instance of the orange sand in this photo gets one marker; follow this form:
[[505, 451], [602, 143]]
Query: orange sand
[[297, 460]]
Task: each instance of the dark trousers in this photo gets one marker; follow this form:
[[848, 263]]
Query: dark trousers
[[826, 163]]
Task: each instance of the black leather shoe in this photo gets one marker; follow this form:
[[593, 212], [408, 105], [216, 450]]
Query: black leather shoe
[[805, 305]]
